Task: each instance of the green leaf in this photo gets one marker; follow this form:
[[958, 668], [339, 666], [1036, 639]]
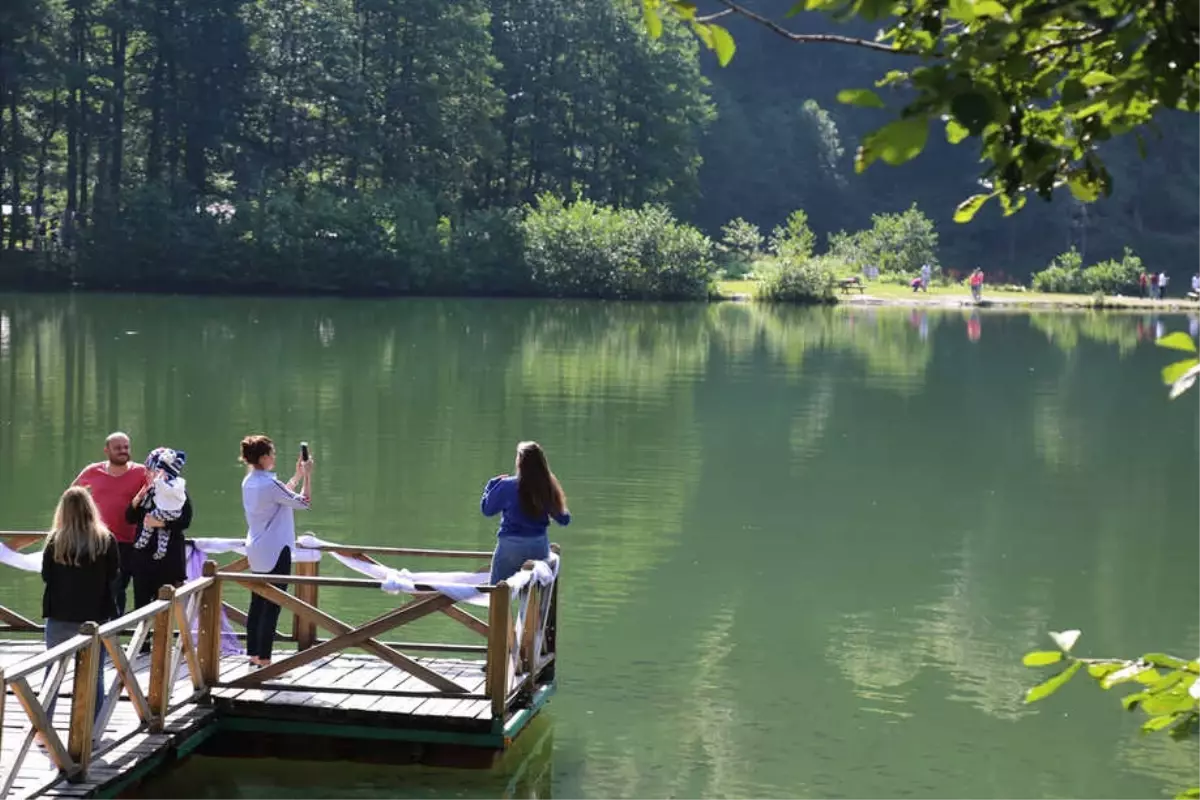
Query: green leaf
[[1040, 658], [1097, 78], [955, 132], [1084, 188], [1052, 685], [685, 10], [973, 110], [723, 44], [899, 141], [1185, 382], [1172, 373], [1162, 659], [989, 8], [1102, 670], [1130, 701], [863, 98], [1190, 794], [1173, 702], [1148, 677], [1176, 341], [965, 213], [653, 21], [1158, 723]]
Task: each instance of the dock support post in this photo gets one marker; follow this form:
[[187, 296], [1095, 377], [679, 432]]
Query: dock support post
[[305, 630], [83, 703], [160, 660], [210, 627], [499, 626], [552, 619]]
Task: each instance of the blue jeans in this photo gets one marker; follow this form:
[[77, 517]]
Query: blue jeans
[[57, 632], [513, 551]]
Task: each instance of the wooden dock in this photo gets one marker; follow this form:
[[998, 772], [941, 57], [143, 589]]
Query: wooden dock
[[351, 696]]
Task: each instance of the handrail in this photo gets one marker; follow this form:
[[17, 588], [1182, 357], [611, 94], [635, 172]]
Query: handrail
[[28, 666], [400, 551], [324, 580], [121, 624]]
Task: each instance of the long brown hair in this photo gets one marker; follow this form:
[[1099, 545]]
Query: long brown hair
[[538, 491], [77, 535]]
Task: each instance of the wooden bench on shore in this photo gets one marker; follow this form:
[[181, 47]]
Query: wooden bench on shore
[[846, 284]]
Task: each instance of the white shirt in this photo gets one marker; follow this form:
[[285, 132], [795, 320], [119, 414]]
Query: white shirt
[[269, 507]]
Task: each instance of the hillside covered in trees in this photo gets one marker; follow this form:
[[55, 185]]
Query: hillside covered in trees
[[388, 143]]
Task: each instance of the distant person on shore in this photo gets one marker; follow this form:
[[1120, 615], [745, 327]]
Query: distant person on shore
[[1162, 284], [526, 503], [269, 504], [79, 569], [113, 484], [161, 514], [1195, 295], [977, 285], [915, 284], [926, 276], [1143, 284]]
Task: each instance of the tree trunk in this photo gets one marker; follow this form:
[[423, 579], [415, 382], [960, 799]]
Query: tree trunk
[[16, 228], [120, 44]]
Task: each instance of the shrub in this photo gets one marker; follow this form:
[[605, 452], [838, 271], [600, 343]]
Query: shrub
[[741, 243], [1063, 276], [1112, 276], [895, 243], [809, 281], [1066, 275], [585, 250], [793, 240]]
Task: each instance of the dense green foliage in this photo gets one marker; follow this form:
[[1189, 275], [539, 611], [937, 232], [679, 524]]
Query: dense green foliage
[[341, 144], [753, 171], [809, 280], [896, 243], [1066, 274], [586, 250]]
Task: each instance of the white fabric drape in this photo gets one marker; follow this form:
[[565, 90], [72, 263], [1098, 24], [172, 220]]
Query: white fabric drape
[[28, 562], [463, 587]]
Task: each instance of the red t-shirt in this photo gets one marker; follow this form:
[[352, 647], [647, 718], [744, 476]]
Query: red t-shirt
[[113, 494]]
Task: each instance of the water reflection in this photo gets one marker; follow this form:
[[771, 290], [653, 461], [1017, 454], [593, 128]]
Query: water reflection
[[810, 544]]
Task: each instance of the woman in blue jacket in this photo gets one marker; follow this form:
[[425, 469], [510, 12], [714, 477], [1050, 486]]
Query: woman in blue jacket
[[526, 503]]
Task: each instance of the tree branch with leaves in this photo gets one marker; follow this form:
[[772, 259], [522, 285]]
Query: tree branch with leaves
[[1040, 85]]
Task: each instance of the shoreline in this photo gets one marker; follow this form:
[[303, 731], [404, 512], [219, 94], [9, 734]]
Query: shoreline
[[1006, 302]]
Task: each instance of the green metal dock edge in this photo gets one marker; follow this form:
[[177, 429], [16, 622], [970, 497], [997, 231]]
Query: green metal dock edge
[[499, 739]]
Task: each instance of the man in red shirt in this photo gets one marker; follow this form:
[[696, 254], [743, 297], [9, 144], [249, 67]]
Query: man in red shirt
[[113, 484]]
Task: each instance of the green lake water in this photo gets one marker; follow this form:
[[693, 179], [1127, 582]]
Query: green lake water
[[809, 547]]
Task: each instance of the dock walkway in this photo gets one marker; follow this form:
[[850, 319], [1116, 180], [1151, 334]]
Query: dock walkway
[[172, 690]]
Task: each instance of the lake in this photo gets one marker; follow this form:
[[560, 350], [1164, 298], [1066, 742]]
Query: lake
[[809, 547]]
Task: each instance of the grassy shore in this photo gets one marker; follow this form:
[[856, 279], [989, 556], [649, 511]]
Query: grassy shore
[[895, 294]]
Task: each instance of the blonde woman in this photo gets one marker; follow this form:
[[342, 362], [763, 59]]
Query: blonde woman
[[79, 567]]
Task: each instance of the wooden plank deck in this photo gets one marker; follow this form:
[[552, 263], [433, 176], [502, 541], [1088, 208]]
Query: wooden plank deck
[[121, 747]]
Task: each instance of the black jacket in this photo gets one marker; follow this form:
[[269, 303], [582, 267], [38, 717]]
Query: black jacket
[[83, 593], [172, 568]]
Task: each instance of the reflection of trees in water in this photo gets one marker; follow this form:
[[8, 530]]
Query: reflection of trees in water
[[1064, 329], [880, 652], [691, 749], [888, 344]]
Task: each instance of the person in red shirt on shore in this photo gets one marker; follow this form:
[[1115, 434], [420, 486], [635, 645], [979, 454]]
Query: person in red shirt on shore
[[113, 484]]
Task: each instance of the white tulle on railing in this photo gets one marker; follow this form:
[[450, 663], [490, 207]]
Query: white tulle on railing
[[463, 587]]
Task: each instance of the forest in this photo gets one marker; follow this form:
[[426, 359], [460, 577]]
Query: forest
[[405, 146]]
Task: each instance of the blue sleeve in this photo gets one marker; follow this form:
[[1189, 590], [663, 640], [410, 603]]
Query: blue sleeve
[[563, 518], [495, 496]]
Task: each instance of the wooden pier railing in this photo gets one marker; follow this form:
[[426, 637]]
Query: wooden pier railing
[[518, 646]]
